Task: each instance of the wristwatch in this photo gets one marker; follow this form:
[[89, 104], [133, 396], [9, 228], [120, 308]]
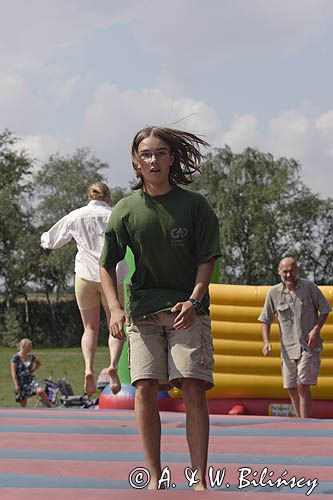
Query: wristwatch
[[196, 304]]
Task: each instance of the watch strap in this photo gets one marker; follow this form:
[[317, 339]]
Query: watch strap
[[195, 303]]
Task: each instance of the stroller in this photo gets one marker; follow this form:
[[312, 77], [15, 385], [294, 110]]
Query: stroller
[[52, 390]]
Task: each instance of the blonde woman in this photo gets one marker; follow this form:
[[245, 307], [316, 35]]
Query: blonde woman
[[23, 366], [86, 225]]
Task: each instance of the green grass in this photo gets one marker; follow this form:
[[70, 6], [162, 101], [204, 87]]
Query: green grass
[[55, 362]]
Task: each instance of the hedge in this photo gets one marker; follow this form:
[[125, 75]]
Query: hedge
[[55, 324]]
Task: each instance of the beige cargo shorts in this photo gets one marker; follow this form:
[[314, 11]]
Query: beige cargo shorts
[[157, 351], [302, 371]]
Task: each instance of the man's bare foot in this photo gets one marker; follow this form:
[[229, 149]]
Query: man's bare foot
[[155, 484], [115, 384], [200, 486], [89, 384]]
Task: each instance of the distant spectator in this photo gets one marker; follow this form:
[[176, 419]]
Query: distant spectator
[[23, 366], [302, 310]]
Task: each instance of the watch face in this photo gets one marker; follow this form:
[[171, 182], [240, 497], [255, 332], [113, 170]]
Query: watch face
[[196, 303]]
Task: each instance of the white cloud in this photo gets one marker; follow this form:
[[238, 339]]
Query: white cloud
[[324, 124], [39, 40], [40, 146], [244, 131], [114, 117], [32, 30], [64, 89], [19, 108], [293, 134], [184, 32], [214, 28]]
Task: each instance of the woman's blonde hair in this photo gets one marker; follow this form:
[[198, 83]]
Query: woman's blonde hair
[[99, 191], [24, 342]]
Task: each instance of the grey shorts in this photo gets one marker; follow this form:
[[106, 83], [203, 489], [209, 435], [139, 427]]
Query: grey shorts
[[302, 371], [157, 351]]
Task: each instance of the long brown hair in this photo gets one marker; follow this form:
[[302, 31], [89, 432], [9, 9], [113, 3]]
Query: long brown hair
[[183, 145]]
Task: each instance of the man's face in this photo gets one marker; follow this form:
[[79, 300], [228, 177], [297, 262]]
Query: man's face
[[155, 159], [288, 271]]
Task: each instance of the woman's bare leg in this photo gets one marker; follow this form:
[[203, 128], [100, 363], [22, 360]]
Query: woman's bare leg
[[90, 320]]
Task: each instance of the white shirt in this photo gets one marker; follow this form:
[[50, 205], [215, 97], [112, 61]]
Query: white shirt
[[86, 225]]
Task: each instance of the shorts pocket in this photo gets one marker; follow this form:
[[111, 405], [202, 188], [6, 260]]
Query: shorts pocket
[[207, 348]]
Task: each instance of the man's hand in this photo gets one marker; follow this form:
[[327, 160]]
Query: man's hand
[[186, 317], [117, 320], [313, 337], [267, 349]]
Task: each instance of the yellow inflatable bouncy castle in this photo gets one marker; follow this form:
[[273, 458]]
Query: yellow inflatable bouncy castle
[[245, 380], [242, 375]]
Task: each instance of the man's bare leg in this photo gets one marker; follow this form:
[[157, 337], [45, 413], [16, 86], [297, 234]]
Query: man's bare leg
[[115, 345], [197, 427], [90, 319], [294, 396], [305, 401], [148, 418], [115, 350]]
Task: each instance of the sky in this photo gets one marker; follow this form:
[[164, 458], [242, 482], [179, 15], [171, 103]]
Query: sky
[[91, 73]]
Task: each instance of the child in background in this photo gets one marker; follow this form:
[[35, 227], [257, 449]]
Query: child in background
[[23, 366]]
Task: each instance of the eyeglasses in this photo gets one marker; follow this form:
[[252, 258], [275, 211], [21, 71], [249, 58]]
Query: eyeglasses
[[147, 156]]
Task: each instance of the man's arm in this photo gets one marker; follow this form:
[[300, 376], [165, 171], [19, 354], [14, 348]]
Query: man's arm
[[109, 285], [314, 334], [266, 318], [324, 307], [187, 313], [265, 331]]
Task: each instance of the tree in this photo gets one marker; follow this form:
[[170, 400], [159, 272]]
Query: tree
[[16, 228], [320, 260], [265, 213], [16, 231], [117, 193], [62, 183]]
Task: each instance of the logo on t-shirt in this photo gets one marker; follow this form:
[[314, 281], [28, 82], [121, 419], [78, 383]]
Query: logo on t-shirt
[[178, 235]]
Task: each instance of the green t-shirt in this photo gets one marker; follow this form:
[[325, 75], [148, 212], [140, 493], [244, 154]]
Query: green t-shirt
[[169, 235]]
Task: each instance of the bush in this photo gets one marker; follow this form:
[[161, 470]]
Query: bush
[[11, 327], [54, 324]]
